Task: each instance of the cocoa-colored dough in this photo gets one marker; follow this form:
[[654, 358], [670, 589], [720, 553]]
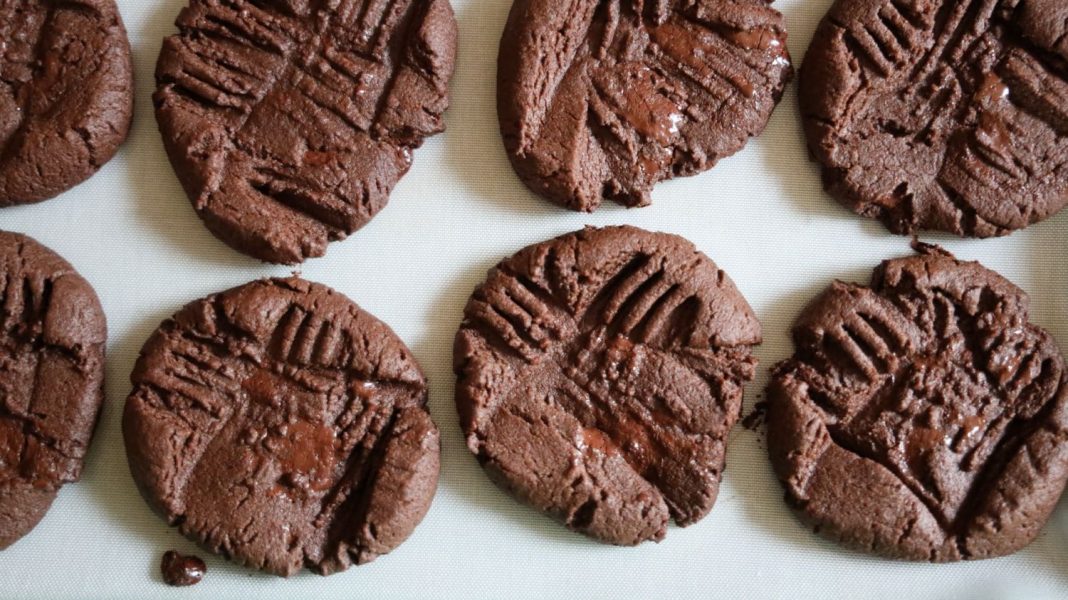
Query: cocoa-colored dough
[[601, 99], [289, 122], [66, 94], [946, 115], [279, 425], [922, 417], [599, 375], [52, 338]]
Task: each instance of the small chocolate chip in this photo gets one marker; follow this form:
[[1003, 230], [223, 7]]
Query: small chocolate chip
[[181, 571]]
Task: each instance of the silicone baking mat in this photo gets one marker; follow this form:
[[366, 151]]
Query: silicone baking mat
[[761, 215]]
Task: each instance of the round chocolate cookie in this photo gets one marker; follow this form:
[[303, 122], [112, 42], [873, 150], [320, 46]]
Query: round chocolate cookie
[[604, 98], [941, 114], [599, 375], [66, 94], [922, 417], [279, 425], [289, 122], [52, 337]]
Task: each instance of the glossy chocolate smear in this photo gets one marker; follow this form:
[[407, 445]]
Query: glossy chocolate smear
[[602, 99], [599, 375], [66, 94], [52, 337], [181, 571], [946, 115], [922, 417], [279, 425], [288, 123]]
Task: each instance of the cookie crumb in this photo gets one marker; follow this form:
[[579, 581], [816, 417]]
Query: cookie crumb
[[181, 571], [754, 421]]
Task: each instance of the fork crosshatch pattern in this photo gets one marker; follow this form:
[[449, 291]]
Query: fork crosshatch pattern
[[944, 115], [289, 123], [599, 376], [602, 99], [281, 426], [923, 417], [66, 94], [52, 344], [762, 215]]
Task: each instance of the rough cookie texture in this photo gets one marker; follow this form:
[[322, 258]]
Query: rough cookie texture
[[922, 417], [947, 115], [289, 122], [52, 337], [603, 98], [66, 94], [599, 375], [279, 425]]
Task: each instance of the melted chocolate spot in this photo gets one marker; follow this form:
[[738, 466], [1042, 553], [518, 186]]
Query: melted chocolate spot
[[594, 440], [758, 38], [307, 455], [641, 100], [698, 52], [923, 441], [181, 571], [365, 390], [306, 452], [991, 90], [993, 133]]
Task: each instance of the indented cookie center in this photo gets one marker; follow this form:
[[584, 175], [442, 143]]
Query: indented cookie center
[[303, 452], [306, 453], [607, 385], [935, 425], [641, 98], [263, 387]]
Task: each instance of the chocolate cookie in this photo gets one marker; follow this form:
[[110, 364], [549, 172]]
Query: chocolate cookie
[[922, 417], [52, 337], [279, 425], [288, 123], [66, 94], [602, 99], [941, 114], [599, 375]]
